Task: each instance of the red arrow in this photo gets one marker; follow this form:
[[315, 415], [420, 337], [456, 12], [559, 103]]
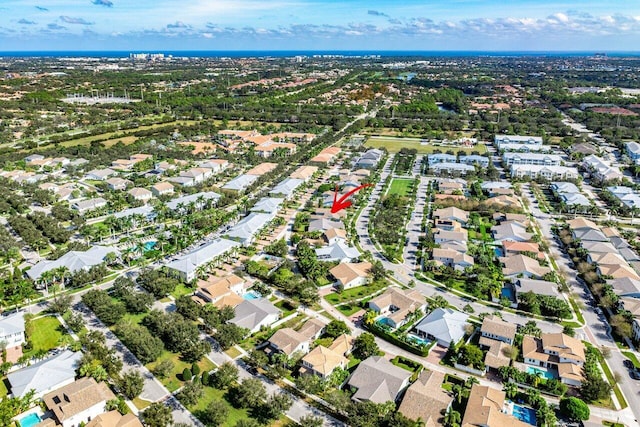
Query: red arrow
[[342, 203]]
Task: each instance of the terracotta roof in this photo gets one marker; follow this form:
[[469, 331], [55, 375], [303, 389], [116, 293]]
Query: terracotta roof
[[346, 272], [564, 345], [517, 264], [77, 397], [324, 360], [578, 223], [512, 246], [114, 419], [287, 340], [334, 233], [342, 344], [618, 271], [495, 357], [452, 212], [304, 172], [425, 398], [484, 408], [496, 326], [261, 169]]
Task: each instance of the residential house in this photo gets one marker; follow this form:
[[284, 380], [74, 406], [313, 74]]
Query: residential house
[[426, 400], [512, 247], [452, 258], [377, 380], [118, 184], [611, 258], [240, 183], [598, 247], [452, 213], [509, 159], [304, 172], [88, 205], [441, 236], [475, 159], [504, 200], [351, 275], [162, 188], [451, 168], [434, 159], [556, 351], [221, 291], [79, 402], [339, 251], [544, 172], [289, 341], [511, 230], [525, 148], [261, 169], [601, 169], [216, 165], [522, 266], [255, 314], [618, 271], [115, 419], [215, 251], [443, 325], [268, 205], [369, 160], [335, 235], [497, 337], [267, 149], [286, 188], [633, 150], [397, 305], [447, 225], [581, 223], [539, 287], [516, 139], [486, 408], [73, 261], [140, 194], [46, 375], [99, 174], [12, 334], [248, 227], [196, 201], [323, 224], [323, 361], [585, 235], [326, 156]]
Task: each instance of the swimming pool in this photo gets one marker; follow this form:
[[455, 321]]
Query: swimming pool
[[507, 292], [545, 374], [30, 420], [385, 321], [419, 340], [498, 252], [149, 245], [252, 295], [524, 414]]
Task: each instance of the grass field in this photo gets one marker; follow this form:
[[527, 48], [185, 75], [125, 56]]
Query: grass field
[[44, 333], [400, 187], [393, 145], [173, 381]]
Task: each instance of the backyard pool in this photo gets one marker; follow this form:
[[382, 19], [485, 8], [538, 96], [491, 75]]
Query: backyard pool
[[524, 414], [535, 371], [385, 321], [498, 252], [252, 295], [30, 420], [149, 246], [419, 340], [507, 292]]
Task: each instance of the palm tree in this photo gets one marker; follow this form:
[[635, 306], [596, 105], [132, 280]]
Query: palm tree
[[547, 416], [510, 389], [452, 418], [457, 390], [470, 382]]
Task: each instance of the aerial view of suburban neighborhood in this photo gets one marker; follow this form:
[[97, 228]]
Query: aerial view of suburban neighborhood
[[319, 240]]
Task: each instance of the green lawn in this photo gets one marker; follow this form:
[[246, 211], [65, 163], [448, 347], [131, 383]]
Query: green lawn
[[286, 307], [44, 333], [3, 387], [400, 187], [174, 380], [348, 309], [394, 145], [181, 290], [355, 293], [211, 394]]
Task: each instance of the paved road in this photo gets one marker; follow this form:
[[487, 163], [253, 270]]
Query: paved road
[[596, 329], [153, 390]]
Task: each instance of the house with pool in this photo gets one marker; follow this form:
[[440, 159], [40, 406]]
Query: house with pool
[[488, 406], [560, 355], [398, 306]]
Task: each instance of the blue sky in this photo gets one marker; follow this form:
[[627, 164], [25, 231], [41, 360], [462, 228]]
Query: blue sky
[[540, 25]]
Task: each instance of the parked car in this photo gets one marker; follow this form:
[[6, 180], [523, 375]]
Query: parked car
[[634, 374], [628, 364]]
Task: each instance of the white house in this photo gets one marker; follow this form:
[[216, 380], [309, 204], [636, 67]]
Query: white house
[[255, 314], [46, 375], [12, 329], [79, 402]]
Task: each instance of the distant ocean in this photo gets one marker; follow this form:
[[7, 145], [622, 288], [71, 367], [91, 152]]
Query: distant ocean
[[309, 53]]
